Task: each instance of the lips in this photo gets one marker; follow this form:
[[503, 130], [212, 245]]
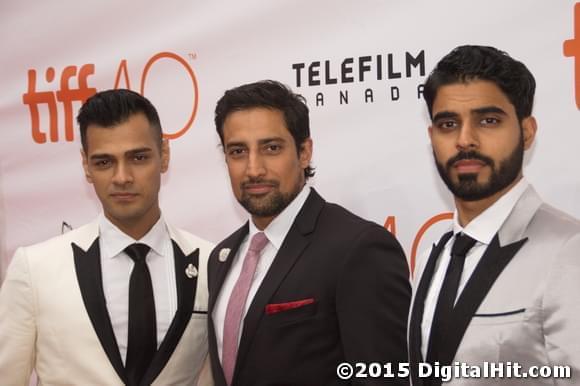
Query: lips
[[468, 166], [258, 188], [469, 162], [124, 196]]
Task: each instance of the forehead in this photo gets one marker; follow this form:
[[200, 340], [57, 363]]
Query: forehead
[[465, 97], [255, 124], [135, 132]]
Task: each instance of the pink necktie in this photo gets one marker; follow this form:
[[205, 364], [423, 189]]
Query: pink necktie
[[237, 303]]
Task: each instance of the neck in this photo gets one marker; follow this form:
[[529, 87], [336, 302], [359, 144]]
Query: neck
[[468, 210], [262, 222], [136, 228]]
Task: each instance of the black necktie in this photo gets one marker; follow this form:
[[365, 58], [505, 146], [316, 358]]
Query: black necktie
[[447, 295], [142, 342]]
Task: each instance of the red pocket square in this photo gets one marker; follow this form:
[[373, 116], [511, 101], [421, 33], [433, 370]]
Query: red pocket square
[[279, 307]]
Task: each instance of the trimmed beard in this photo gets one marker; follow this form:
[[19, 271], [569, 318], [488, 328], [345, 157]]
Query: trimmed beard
[[468, 189], [272, 204]]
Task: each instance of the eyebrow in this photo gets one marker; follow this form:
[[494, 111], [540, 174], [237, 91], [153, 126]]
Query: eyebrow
[[488, 109], [273, 139], [99, 156], [263, 141], [477, 111], [443, 115], [138, 150]]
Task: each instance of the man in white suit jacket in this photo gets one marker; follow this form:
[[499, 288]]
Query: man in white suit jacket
[[64, 304], [510, 294]]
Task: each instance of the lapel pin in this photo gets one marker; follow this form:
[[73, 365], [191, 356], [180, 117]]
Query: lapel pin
[[191, 271], [224, 253]]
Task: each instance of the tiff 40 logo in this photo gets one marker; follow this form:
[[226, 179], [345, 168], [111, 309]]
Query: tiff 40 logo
[[68, 94]]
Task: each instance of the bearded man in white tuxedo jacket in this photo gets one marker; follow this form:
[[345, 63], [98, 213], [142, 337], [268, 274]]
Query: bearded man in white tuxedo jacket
[[502, 285], [123, 299]]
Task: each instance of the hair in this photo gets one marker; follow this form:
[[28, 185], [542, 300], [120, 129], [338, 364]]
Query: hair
[[272, 95], [113, 107], [468, 63]]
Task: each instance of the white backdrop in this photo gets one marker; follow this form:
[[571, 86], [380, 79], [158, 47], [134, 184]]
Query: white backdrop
[[372, 157]]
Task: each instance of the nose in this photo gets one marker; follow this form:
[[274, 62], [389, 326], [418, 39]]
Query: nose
[[256, 166], [123, 174], [467, 138]]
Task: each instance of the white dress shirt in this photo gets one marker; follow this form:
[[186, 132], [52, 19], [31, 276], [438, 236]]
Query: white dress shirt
[[276, 232], [482, 228], [116, 267]]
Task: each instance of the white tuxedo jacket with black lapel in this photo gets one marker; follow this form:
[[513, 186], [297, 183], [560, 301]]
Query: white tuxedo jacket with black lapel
[[53, 316]]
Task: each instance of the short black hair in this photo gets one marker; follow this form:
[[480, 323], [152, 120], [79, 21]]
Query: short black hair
[[273, 95], [112, 107], [468, 63]]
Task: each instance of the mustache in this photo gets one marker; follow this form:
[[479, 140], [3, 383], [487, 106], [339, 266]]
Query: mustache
[[469, 155], [258, 181]]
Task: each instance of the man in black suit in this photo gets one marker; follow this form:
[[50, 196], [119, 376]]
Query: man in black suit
[[304, 285]]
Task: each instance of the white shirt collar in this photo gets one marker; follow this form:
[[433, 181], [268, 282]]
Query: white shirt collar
[[114, 240], [485, 226], [277, 230]]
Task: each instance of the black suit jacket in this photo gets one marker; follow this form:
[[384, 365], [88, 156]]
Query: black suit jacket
[[357, 276]]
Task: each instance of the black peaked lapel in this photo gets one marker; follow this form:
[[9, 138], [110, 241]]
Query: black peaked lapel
[[186, 291], [217, 272], [291, 249], [89, 276], [492, 263], [419, 306]]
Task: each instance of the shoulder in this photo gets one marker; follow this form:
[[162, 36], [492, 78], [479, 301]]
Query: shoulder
[[553, 237], [188, 242], [83, 236], [48, 258], [556, 221], [343, 222], [233, 239], [553, 229], [532, 217]]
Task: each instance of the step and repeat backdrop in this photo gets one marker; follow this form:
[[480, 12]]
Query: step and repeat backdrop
[[359, 64]]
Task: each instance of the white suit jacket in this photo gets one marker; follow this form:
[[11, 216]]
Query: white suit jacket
[[522, 302], [53, 316]]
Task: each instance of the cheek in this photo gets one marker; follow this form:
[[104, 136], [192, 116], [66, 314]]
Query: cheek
[[99, 180], [101, 185], [155, 178], [291, 175], [444, 149], [236, 175], [498, 148], [148, 179], [513, 143], [439, 153]]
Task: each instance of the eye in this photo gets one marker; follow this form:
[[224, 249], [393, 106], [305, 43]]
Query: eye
[[447, 125], [489, 121], [102, 163], [139, 157], [236, 152], [273, 148]]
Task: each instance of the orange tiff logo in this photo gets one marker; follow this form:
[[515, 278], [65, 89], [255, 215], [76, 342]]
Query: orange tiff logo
[[572, 49], [67, 95]]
